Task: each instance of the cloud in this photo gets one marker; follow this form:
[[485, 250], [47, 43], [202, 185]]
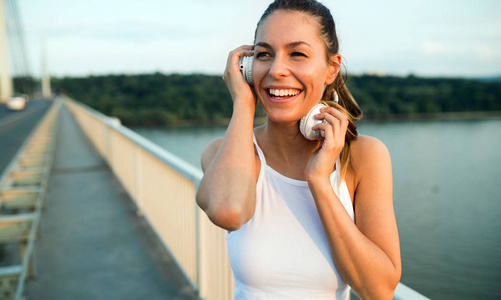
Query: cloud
[[432, 47], [484, 52]]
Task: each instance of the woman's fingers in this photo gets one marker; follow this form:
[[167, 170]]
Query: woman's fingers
[[330, 113], [234, 56], [334, 117], [334, 126], [328, 129], [232, 76]]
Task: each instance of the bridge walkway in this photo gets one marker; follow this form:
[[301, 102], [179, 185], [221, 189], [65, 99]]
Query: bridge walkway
[[92, 243]]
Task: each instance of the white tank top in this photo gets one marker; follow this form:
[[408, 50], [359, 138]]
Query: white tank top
[[282, 251]]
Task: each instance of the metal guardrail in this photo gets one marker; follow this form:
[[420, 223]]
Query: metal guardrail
[[163, 187], [23, 186]]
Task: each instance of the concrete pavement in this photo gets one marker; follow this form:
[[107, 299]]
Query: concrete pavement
[[92, 244]]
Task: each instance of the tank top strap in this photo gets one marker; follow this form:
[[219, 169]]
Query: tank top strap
[[338, 167], [262, 159], [259, 151], [336, 176]]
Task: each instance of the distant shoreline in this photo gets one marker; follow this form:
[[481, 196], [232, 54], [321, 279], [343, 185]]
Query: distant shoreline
[[158, 100], [443, 116]]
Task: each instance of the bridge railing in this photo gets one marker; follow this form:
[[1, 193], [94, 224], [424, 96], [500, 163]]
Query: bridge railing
[[23, 186], [163, 187]]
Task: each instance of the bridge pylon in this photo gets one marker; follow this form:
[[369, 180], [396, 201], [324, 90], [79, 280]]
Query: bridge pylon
[[46, 90], [6, 85]]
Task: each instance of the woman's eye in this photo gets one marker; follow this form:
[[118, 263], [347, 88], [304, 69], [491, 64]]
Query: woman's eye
[[262, 54], [298, 54]]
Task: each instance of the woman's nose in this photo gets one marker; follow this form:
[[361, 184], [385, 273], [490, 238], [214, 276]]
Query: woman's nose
[[278, 68]]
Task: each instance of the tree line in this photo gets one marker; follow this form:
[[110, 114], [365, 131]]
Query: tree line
[[163, 100]]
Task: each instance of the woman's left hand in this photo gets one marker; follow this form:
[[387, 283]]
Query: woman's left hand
[[323, 160]]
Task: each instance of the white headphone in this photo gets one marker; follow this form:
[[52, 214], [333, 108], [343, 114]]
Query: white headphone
[[309, 121], [245, 65]]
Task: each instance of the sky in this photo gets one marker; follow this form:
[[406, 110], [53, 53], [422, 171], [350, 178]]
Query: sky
[[429, 38]]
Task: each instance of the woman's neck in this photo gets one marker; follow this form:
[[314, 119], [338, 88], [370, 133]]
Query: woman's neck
[[284, 145]]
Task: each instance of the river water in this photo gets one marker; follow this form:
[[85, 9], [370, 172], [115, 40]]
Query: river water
[[447, 196]]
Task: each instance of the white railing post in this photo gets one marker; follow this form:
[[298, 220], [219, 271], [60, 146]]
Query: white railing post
[[199, 249], [138, 175]]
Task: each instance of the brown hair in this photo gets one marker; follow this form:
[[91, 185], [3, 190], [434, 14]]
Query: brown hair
[[347, 103]]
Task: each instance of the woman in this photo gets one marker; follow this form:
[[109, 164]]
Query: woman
[[290, 203]]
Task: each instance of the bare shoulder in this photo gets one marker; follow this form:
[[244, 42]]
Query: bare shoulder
[[366, 145], [369, 154], [209, 152]]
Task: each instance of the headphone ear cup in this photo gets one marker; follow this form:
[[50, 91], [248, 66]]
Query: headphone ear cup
[[249, 69], [309, 121], [302, 126], [245, 64]]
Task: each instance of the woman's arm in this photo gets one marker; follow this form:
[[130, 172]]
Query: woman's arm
[[366, 254], [227, 191]]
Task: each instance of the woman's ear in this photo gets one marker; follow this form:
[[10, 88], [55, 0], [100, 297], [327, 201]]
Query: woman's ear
[[334, 66]]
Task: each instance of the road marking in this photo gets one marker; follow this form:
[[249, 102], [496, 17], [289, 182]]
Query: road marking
[[10, 119]]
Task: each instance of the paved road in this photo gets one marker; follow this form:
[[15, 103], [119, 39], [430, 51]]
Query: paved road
[[15, 127]]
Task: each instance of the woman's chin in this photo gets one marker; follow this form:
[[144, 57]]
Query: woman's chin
[[283, 119]]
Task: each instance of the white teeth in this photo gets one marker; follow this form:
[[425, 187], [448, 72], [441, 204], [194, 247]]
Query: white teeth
[[282, 93]]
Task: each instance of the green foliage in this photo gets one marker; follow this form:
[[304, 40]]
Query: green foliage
[[162, 100], [410, 95]]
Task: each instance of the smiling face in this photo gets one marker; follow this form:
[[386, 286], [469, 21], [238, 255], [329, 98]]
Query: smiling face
[[290, 69]]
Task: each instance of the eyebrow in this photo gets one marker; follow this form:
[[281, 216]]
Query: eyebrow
[[288, 46]]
